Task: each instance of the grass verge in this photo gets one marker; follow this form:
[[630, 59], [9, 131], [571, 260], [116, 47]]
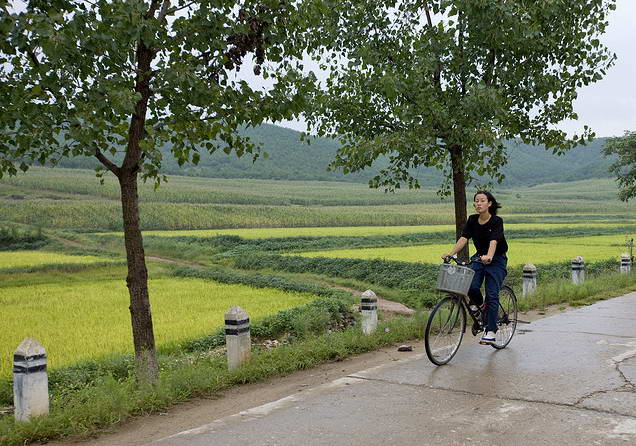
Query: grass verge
[[595, 288], [110, 402]]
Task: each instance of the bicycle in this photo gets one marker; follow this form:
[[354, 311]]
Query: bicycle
[[447, 322]]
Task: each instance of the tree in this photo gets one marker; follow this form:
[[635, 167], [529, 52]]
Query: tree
[[624, 167], [104, 77], [442, 83]]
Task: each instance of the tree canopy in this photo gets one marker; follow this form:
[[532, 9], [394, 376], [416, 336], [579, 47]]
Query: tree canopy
[[443, 83], [624, 167], [104, 77], [74, 71]]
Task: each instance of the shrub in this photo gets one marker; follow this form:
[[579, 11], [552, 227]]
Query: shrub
[[13, 238]]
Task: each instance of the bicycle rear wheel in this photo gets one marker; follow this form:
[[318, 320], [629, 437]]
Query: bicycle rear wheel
[[445, 330], [506, 317]]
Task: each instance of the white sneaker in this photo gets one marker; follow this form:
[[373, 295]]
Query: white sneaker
[[488, 338], [473, 308]]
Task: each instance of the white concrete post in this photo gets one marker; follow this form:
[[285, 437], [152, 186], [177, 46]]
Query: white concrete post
[[30, 381], [578, 270], [626, 263], [237, 337], [529, 280], [369, 309]]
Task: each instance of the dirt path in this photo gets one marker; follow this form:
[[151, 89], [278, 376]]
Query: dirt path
[[387, 306]]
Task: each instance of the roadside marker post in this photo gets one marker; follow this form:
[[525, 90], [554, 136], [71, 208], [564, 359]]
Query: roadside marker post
[[30, 381], [238, 340]]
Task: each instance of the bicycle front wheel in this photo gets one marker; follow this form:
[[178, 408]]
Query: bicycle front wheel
[[445, 330], [506, 317]]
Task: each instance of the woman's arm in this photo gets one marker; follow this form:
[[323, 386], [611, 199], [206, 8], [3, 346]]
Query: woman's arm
[[492, 247], [496, 235], [458, 247]]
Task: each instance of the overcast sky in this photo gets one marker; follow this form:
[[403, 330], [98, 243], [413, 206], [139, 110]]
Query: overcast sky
[[607, 106]]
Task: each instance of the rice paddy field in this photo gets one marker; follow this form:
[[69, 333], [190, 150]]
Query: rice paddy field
[[521, 251], [89, 319], [363, 231], [18, 259]]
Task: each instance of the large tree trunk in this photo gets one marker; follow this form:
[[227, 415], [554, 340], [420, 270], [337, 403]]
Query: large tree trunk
[[137, 280], [459, 193], [147, 370]]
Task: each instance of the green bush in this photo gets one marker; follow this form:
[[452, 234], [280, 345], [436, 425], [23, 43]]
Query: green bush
[[297, 322], [13, 238]]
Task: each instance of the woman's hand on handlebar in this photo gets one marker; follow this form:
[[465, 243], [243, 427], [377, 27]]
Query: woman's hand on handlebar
[[447, 256], [485, 259]]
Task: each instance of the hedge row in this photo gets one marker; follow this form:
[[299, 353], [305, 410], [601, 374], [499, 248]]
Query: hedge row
[[13, 238], [402, 275], [231, 246]]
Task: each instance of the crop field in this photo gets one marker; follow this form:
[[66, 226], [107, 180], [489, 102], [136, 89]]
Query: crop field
[[73, 199], [17, 259], [85, 311], [85, 319], [100, 216], [521, 251], [362, 231]]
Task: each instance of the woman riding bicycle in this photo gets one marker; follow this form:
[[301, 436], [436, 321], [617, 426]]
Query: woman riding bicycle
[[489, 262]]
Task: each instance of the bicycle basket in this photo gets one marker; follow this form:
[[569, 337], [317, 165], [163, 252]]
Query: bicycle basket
[[454, 279]]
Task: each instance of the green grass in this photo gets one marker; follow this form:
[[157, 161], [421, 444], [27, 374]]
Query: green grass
[[593, 289], [110, 402], [90, 319], [73, 199], [105, 215]]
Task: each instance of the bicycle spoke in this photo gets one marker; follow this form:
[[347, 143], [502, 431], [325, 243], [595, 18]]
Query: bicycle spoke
[[444, 330], [506, 318]]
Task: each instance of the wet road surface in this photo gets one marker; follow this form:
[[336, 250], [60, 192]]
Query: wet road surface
[[567, 379]]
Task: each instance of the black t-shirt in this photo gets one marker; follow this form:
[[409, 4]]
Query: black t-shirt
[[482, 234]]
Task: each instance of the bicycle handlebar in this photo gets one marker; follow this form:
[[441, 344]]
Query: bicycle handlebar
[[460, 263]]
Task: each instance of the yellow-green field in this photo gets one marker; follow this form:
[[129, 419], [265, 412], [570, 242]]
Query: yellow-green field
[[342, 231], [84, 320], [521, 251], [16, 259]]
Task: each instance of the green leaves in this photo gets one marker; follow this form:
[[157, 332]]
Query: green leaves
[[479, 73], [623, 150], [85, 76]]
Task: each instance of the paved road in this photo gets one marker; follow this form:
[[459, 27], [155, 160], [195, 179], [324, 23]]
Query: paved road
[[567, 379]]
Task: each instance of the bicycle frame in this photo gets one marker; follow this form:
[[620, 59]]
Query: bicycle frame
[[447, 322]]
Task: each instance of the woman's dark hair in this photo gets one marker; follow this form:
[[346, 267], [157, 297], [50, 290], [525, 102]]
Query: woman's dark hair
[[494, 206]]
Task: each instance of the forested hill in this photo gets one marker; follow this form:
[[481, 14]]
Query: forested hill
[[290, 159]]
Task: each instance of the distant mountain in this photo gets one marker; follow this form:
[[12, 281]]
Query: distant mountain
[[530, 165], [291, 159]]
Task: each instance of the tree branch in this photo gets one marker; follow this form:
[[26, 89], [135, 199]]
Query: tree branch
[[437, 76], [33, 57], [489, 75], [153, 8], [165, 8], [106, 162], [460, 41], [179, 8]]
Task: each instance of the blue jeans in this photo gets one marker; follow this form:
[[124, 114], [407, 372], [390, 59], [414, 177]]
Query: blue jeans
[[494, 274]]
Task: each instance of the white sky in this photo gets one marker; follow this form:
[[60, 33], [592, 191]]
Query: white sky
[[608, 106]]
